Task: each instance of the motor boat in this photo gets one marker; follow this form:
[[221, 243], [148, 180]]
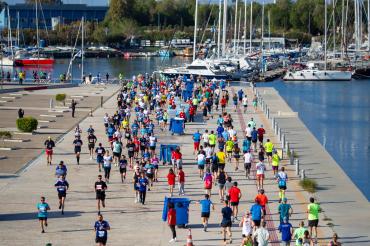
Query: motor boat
[[312, 73], [32, 59]]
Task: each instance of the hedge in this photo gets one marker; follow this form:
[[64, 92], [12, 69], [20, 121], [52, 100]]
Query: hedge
[[27, 124]]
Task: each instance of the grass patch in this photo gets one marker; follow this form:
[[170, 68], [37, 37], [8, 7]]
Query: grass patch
[[308, 185], [326, 219], [330, 224]]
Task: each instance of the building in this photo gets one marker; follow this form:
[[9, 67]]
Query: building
[[51, 15]]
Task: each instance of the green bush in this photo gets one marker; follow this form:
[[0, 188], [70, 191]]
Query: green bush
[[5, 135], [27, 124], [60, 97], [308, 185]]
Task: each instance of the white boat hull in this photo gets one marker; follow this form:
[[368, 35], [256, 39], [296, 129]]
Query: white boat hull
[[6, 61], [318, 75]]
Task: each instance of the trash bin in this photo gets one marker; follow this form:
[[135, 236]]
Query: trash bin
[[182, 210], [177, 126]]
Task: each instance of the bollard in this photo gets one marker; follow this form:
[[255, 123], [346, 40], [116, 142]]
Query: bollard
[[276, 128], [91, 112], [279, 133], [296, 162], [273, 122], [101, 101], [303, 174], [291, 158], [287, 146], [268, 113], [283, 141]]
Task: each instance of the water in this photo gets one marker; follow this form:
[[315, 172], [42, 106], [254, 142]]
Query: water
[[338, 114]]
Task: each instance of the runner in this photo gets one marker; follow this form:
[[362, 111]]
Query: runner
[[101, 228], [248, 159], [49, 145], [221, 158], [262, 235], [117, 150], [286, 230], [285, 210], [334, 241], [206, 205], [246, 224], [269, 147], [171, 218], [235, 101], [236, 153], [299, 233], [181, 181], [100, 152], [235, 195], [149, 171], [155, 161], [123, 167], [254, 135], [212, 139], [42, 214], [229, 149], [275, 161], [282, 179], [171, 177], [135, 178], [226, 222], [221, 178], [62, 186], [261, 131], [245, 104], [107, 165], [313, 210], [131, 152], [100, 187], [152, 143], [143, 184], [254, 101], [208, 182], [257, 213], [196, 139], [91, 139], [201, 161], [77, 145], [260, 174], [263, 200]]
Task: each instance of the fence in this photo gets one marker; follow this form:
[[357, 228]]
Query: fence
[[286, 150]]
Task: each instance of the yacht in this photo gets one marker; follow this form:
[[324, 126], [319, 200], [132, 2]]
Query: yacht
[[198, 68], [313, 73]]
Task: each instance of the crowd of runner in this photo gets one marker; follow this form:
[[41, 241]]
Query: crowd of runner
[[131, 146]]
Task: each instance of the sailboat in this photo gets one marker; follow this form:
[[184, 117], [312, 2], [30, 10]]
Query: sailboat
[[23, 58], [314, 73]]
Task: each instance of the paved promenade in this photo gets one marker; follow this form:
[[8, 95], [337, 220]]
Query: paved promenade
[[134, 224], [344, 205]]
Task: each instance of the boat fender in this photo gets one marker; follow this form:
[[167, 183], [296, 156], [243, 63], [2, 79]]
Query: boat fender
[[313, 73], [325, 73], [302, 74], [290, 74]]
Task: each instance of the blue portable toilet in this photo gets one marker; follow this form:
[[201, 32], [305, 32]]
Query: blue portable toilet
[[182, 210], [177, 126], [165, 152]]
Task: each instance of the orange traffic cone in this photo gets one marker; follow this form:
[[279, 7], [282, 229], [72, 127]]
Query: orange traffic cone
[[189, 240]]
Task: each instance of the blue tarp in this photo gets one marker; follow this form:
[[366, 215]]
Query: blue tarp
[[165, 152], [181, 207]]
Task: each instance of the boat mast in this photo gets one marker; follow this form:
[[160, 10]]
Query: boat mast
[[18, 28], [326, 10], [368, 25], [10, 41], [219, 28], [250, 28], [82, 47], [262, 20], [342, 29], [37, 39], [269, 30], [195, 29], [334, 28], [224, 29], [240, 17], [235, 25], [245, 26]]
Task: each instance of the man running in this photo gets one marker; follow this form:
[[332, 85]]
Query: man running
[[313, 210], [49, 145], [268, 149], [101, 228], [62, 186], [91, 139], [206, 210], [77, 144], [261, 131], [226, 222], [248, 159], [100, 152], [196, 139], [43, 208], [235, 195], [100, 187]]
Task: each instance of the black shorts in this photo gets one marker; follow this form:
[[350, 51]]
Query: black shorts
[[152, 147], [102, 240], [62, 194], [208, 160], [254, 140], [236, 156], [77, 150], [91, 146], [201, 167], [205, 214], [269, 153], [282, 187], [214, 168], [43, 218], [131, 154], [221, 166], [249, 139], [212, 145], [123, 170], [150, 175], [313, 223], [116, 154], [247, 166], [257, 222], [234, 203], [225, 224], [100, 196], [106, 125]]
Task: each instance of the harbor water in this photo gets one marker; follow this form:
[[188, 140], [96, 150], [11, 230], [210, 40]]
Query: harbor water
[[337, 113]]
